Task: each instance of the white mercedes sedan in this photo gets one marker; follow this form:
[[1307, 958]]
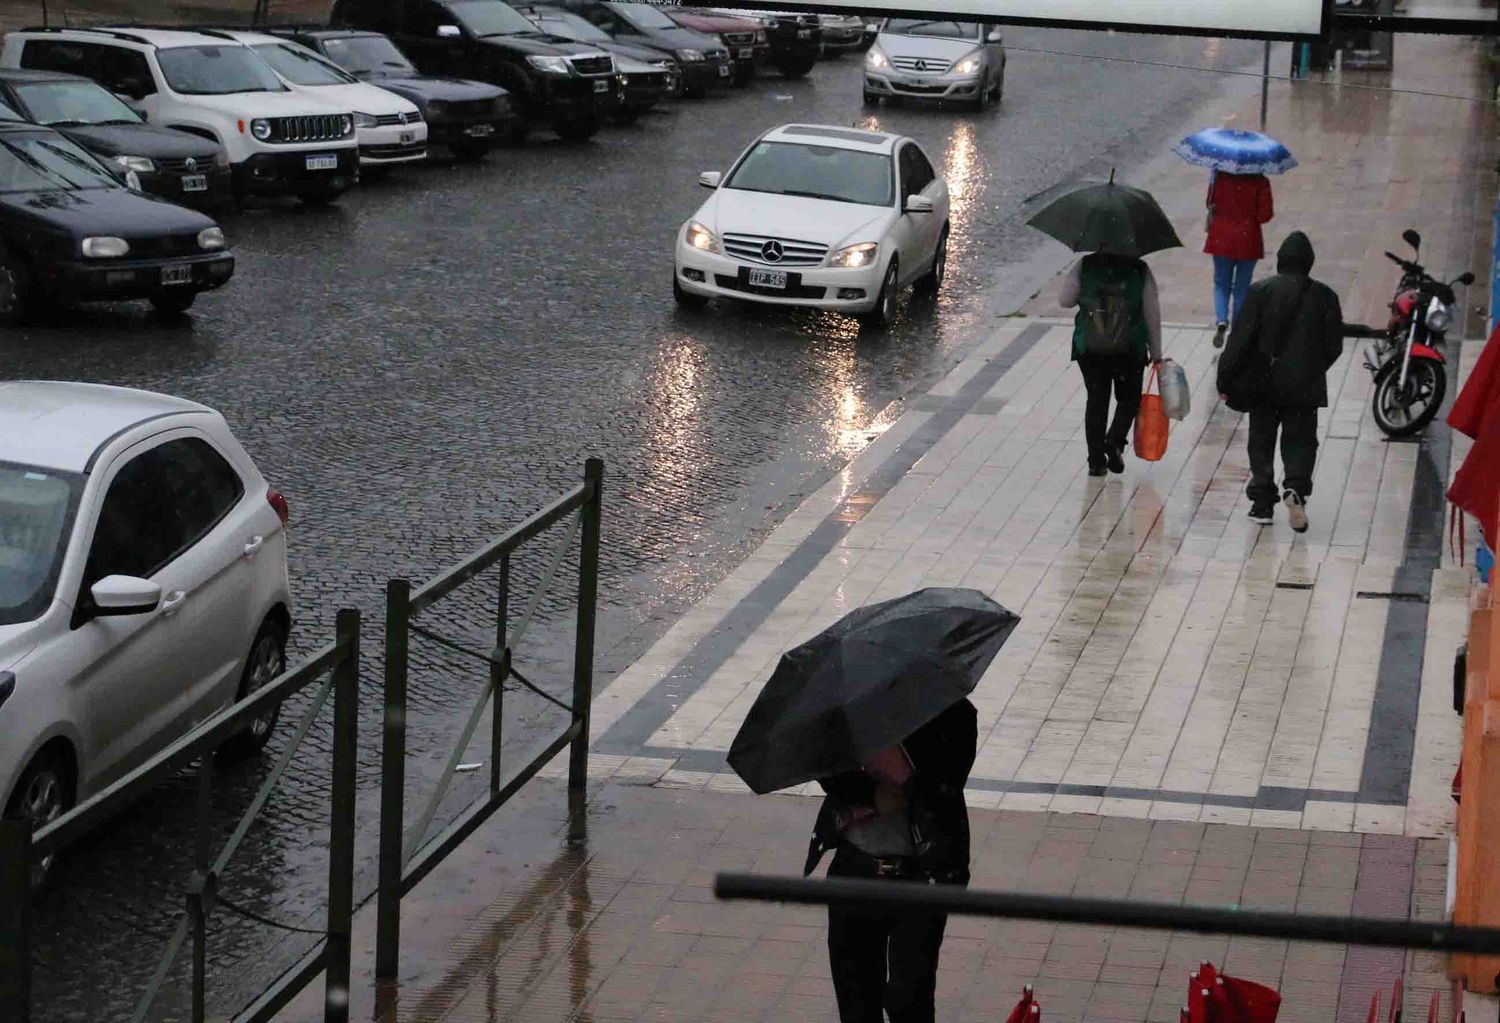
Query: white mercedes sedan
[[816, 215]]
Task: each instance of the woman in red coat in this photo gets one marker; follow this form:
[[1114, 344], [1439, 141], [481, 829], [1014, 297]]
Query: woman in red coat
[[1238, 204]]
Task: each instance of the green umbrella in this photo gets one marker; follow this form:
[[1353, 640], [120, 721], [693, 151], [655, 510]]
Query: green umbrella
[[1106, 217]]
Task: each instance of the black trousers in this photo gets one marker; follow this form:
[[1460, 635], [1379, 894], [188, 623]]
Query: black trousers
[[1298, 428], [1102, 374], [882, 961]]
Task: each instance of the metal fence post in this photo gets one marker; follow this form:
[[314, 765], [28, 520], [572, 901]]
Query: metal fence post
[[341, 821], [200, 889], [583, 652], [15, 920], [392, 781], [499, 669]]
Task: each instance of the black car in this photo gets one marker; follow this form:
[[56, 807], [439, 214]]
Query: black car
[[172, 164], [703, 60], [71, 231], [648, 77], [465, 116], [796, 41], [550, 79]]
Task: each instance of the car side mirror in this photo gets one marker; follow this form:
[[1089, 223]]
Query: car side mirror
[[449, 32], [710, 179], [994, 36], [131, 88], [1466, 278], [918, 204], [1411, 238], [121, 595]]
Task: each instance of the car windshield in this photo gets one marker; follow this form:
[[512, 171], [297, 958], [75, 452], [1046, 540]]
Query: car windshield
[[48, 163], [301, 67], [571, 26], [817, 172], [216, 70], [368, 55], [490, 18], [74, 103], [937, 29], [641, 15], [35, 508]]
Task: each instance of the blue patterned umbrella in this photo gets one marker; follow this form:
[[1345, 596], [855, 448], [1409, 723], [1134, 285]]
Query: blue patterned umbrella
[[1236, 151]]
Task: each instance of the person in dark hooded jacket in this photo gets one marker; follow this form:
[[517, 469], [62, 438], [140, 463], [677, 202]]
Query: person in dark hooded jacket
[[1298, 322]]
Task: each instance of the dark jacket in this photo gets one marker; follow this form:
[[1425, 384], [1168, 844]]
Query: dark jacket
[[1295, 318], [942, 754]]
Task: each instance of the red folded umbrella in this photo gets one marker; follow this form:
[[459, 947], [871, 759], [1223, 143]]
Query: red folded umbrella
[[1395, 1014], [1432, 1009], [1374, 1007], [1476, 413], [1249, 1002], [1197, 1004], [1022, 1012]]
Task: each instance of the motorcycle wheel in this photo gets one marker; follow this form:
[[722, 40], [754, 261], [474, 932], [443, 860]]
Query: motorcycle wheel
[[1401, 412]]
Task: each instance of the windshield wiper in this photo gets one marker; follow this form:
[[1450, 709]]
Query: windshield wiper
[[118, 120], [73, 124]]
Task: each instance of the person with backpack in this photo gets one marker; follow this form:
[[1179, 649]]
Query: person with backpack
[[1288, 335], [1116, 331]]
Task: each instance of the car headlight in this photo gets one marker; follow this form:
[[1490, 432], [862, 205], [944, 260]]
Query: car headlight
[[211, 238], [760, 35], [875, 58], [365, 120], [346, 124], [260, 128], [691, 56], [701, 238], [772, 23], [139, 164], [551, 65], [970, 65], [1439, 316], [105, 247], [862, 254]]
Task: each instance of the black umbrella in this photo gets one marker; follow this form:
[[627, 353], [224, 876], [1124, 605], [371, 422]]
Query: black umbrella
[[1106, 217], [866, 683]]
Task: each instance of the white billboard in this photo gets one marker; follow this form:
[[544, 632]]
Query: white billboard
[[1272, 19]]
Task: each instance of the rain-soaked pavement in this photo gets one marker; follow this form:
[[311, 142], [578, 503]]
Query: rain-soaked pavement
[[424, 364]]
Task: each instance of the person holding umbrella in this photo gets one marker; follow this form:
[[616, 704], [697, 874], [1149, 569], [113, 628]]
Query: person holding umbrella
[[876, 709], [1239, 203], [1117, 328]]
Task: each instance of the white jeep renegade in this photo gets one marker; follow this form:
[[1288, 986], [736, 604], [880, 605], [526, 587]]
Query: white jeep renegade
[[206, 82]]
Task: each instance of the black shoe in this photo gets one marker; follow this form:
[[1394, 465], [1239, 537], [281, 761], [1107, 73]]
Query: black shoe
[[1114, 458], [1263, 513], [1296, 511], [1219, 333], [1096, 470]]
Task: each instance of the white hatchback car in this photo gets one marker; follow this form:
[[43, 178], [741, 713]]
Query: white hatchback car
[[822, 216], [143, 585]]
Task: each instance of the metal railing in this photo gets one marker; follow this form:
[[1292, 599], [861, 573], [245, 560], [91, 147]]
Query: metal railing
[[19, 848], [909, 896], [408, 855]]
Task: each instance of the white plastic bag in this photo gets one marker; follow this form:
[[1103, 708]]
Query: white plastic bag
[[1175, 399]]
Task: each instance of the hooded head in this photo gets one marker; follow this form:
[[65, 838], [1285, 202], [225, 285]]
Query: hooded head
[[1295, 255]]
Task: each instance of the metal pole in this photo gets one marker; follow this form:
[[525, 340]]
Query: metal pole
[[499, 669], [202, 883], [341, 821], [392, 781], [15, 920], [583, 653], [1265, 84]]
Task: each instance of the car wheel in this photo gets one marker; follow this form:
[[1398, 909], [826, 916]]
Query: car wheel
[[687, 299], [930, 282], [470, 152], [798, 69], [628, 115], [173, 303], [578, 130], [981, 102], [44, 793], [266, 662], [1000, 87], [885, 302], [15, 291], [743, 75]]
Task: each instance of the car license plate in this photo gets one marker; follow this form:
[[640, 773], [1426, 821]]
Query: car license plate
[[408, 137], [601, 86], [723, 70], [768, 278], [177, 274], [195, 182], [746, 53], [328, 162], [804, 33], [479, 131]]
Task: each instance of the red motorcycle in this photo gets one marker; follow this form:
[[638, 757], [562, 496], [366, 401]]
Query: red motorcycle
[[1411, 375]]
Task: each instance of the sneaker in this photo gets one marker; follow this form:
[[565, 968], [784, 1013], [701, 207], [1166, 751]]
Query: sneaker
[[1114, 458], [1219, 333], [1262, 513], [1296, 511], [1096, 470]]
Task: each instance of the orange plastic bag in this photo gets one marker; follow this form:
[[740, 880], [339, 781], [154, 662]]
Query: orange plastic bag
[[1151, 424]]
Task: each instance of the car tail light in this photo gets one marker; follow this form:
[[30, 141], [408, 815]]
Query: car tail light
[[276, 499]]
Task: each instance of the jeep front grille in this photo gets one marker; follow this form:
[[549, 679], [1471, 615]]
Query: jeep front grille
[[308, 128]]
